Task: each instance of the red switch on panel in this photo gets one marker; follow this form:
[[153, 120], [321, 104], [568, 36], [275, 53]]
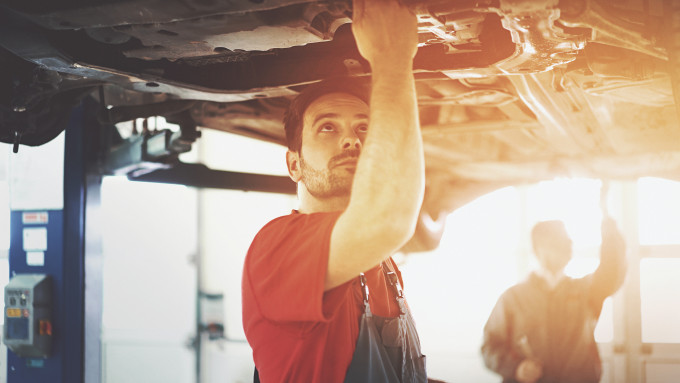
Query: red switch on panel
[[45, 327]]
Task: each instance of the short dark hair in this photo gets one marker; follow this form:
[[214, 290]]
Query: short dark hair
[[292, 120]]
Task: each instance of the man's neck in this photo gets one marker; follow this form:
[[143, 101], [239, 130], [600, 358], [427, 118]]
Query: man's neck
[[551, 278], [310, 204]]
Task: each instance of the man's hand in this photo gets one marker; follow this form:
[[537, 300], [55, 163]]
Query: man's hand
[[529, 371], [384, 31]]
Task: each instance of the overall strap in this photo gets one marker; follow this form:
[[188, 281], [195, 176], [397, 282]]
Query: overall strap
[[365, 294], [393, 280]]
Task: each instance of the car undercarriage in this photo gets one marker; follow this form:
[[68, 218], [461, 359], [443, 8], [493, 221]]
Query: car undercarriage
[[510, 92]]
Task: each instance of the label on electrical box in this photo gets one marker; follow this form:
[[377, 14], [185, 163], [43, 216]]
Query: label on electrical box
[[14, 313], [34, 217]]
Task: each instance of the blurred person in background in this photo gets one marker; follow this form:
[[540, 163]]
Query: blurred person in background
[[542, 329]]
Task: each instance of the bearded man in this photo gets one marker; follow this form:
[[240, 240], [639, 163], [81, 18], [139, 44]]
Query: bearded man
[[322, 297]]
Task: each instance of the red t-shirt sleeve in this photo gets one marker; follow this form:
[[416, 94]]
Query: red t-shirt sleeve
[[286, 267]]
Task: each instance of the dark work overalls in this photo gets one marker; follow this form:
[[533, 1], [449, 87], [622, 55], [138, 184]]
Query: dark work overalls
[[387, 349]]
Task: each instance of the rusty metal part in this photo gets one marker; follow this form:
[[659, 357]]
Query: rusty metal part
[[541, 45], [607, 29]]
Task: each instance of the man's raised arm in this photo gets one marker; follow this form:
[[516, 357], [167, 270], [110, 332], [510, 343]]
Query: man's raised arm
[[388, 185], [611, 272]]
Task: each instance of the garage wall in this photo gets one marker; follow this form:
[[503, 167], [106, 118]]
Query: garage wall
[[149, 288]]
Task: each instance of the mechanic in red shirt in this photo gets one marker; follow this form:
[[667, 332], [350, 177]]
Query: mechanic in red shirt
[[322, 299]]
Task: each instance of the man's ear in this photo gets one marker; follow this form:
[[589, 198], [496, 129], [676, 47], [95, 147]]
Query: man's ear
[[293, 163]]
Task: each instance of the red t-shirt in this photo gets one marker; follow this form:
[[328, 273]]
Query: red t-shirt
[[298, 332]]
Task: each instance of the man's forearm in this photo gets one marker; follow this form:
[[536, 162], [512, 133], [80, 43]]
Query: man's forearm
[[391, 175], [389, 182], [500, 358], [610, 273], [387, 189], [388, 185]]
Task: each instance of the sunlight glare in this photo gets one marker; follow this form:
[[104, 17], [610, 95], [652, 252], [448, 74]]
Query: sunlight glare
[[658, 211], [574, 201]]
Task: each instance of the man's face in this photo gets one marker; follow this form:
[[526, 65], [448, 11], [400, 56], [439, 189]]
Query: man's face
[[333, 133], [556, 250]]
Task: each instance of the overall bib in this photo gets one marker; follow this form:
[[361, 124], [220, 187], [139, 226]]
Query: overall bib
[[388, 349]]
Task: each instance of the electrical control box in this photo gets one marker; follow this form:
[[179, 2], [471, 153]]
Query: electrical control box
[[28, 323]]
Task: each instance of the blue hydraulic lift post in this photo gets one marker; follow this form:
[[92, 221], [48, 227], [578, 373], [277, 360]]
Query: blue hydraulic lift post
[[73, 260]]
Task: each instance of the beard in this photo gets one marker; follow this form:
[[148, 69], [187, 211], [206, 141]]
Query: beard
[[331, 181]]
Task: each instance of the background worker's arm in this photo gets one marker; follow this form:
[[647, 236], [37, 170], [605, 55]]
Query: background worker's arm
[[388, 185], [499, 352], [611, 272]]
